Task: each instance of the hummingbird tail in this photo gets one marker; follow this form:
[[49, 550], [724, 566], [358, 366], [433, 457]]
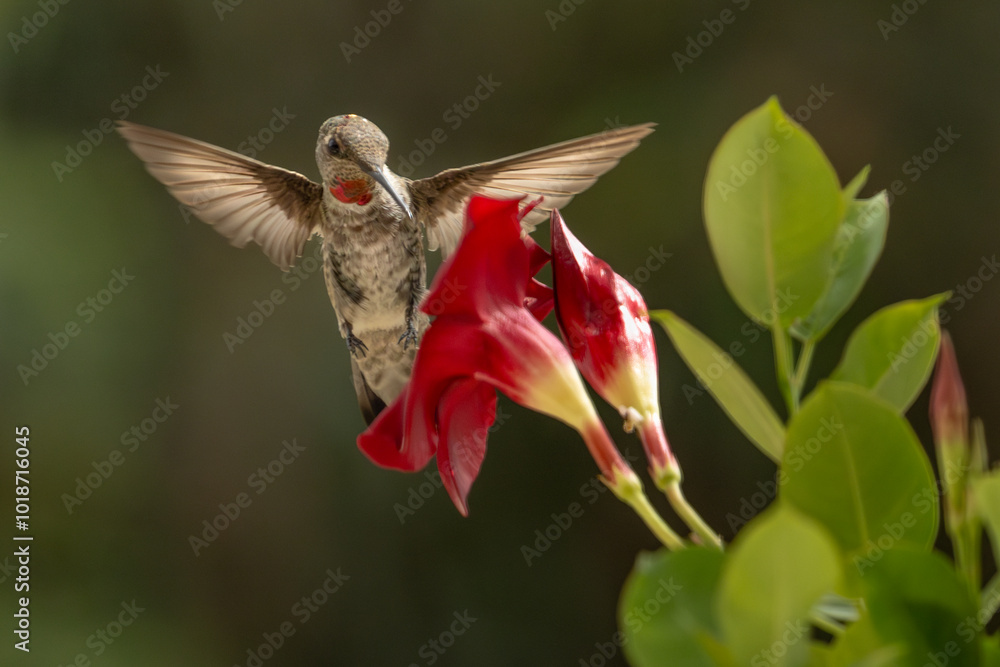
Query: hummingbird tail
[[368, 400]]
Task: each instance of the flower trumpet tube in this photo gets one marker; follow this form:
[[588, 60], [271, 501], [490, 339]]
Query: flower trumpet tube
[[605, 324], [487, 336]]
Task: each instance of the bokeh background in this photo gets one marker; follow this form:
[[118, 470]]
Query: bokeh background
[[561, 69]]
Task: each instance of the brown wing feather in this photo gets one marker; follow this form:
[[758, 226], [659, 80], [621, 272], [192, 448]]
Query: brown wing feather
[[244, 199], [556, 173]]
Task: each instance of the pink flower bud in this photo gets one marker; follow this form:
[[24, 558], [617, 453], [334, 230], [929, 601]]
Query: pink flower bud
[[949, 411]]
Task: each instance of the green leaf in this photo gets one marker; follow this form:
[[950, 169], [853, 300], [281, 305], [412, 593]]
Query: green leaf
[[772, 208], [892, 352], [861, 646], [854, 464], [666, 609], [918, 603], [852, 189], [778, 568], [846, 653], [986, 491], [729, 385], [990, 651], [859, 243], [820, 656]]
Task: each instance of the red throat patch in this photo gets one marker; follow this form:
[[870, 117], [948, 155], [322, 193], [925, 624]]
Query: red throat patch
[[352, 192]]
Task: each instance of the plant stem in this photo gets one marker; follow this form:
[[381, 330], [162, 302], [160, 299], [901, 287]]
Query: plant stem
[[630, 492], [690, 516], [961, 521], [802, 367], [966, 540], [783, 369]]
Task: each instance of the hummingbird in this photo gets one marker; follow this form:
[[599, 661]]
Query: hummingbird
[[371, 220]]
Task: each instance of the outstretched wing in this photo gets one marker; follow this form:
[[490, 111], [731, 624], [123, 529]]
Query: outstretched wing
[[244, 199], [555, 173]]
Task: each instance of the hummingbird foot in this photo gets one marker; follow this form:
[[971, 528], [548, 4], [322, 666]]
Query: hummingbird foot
[[356, 346], [409, 336]]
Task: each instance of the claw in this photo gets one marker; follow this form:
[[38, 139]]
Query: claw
[[356, 346], [409, 336]]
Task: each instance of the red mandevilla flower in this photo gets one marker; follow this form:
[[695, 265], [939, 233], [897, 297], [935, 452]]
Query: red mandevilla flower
[[486, 335], [605, 324]]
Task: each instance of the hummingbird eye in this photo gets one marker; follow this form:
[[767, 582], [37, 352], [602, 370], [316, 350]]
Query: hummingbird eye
[[333, 147]]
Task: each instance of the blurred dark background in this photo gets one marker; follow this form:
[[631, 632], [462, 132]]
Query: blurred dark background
[[223, 70]]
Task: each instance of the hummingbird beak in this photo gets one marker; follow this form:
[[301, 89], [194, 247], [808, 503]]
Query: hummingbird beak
[[379, 174]]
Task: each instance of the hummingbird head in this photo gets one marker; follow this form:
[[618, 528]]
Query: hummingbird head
[[351, 153]]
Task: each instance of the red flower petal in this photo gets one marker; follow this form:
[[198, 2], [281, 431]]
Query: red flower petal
[[605, 324], [467, 411], [539, 299], [537, 256], [382, 442], [604, 321], [485, 335], [490, 266], [449, 352]]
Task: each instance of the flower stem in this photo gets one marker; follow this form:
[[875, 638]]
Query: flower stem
[[961, 521], [628, 489], [966, 541], [690, 516], [623, 482]]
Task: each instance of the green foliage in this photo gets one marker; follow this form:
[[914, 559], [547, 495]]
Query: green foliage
[[666, 608], [857, 247], [986, 491], [701, 607], [855, 465], [858, 507], [892, 352], [990, 651], [916, 602], [772, 210], [780, 566], [726, 381]]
